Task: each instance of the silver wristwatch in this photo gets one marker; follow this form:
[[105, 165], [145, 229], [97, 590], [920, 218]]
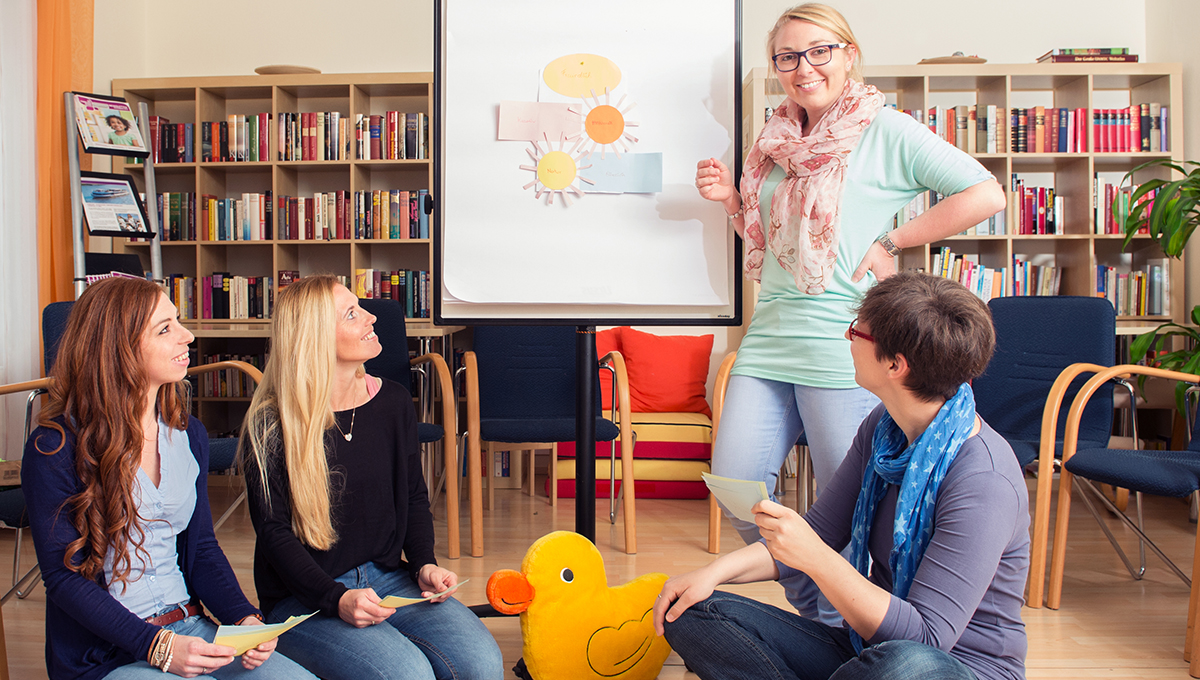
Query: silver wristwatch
[[886, 241]]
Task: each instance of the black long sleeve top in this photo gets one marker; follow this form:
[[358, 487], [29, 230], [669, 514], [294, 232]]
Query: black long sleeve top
[[380, 506]]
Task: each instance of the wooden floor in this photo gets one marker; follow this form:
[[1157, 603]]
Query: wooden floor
[[1109, 626]]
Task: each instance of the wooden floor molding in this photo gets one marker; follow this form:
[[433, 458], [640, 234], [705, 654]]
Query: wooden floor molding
[[1109, 626]]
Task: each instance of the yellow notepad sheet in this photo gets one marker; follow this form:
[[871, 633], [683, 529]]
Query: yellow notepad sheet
[[395, 601], [737, 495], [245, 638]]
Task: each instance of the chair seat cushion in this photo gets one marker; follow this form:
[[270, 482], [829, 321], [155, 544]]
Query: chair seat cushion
[[428, 432], [221, 453], [541, 430], [1162, 473], [662, 470], [12, 509]]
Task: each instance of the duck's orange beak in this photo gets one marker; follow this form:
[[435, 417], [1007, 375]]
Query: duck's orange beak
[[509, 592]]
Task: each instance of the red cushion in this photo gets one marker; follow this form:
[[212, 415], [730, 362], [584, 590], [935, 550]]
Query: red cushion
[[667, 372], [607, 341], [642, 488]]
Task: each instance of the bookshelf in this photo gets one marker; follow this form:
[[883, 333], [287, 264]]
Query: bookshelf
[[1079, 249], [204, 99]]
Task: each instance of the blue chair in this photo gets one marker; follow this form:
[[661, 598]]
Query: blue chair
[[1042, 342], [521, 392], [1162, 473], [394, 364], [12, 501]]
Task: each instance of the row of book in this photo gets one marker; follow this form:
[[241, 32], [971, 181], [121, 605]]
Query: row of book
[[1107, 220], [1088, 55], [171, 142], [377, 215], [229, 383], [987, 282], [240, 139], [1039, 129], [1140, 127], [227, 296], [315, 136], [231, 219], [409, 287], [393, 135], [972, 128], [1144, 292], [182, 291], [1038, 210]]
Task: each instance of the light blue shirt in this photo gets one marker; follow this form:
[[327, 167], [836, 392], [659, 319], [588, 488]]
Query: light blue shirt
[[798, 338], [163, 512]]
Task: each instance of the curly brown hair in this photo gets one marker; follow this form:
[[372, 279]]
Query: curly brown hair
[[99, 394]]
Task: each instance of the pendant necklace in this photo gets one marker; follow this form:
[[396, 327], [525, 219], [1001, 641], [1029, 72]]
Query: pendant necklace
[[347, 435]]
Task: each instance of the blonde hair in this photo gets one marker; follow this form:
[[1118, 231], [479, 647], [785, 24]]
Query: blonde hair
[[824, 17], [291, 408]]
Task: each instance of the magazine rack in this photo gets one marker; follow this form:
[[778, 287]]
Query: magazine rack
[[77, 240]]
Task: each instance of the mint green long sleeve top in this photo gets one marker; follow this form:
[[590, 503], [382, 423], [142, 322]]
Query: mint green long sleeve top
[[798, 338]]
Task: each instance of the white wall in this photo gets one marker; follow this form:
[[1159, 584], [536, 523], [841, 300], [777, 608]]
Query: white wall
[[1171, 36], [156, 38]]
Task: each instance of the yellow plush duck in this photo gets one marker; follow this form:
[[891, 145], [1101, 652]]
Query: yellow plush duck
[[574, 626]]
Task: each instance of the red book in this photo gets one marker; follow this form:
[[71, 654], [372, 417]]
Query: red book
[[376, 133], [293, 218], [1112, 130], [1041, 210], [1135, 128], [1030, 211], [308, 219], [264, 136]]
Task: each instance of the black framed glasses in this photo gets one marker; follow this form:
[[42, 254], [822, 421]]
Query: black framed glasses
[[785, 62], [854, 331]]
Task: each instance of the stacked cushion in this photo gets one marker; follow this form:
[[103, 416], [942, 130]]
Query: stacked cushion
[[671, 417]]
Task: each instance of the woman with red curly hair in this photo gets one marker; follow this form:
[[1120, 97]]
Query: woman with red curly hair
[[115, 480]]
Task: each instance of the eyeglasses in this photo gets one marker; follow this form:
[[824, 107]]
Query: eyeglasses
[[786, 62], [854, 331]]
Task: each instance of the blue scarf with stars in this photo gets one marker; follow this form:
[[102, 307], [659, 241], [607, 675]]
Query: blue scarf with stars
[[918, 470]]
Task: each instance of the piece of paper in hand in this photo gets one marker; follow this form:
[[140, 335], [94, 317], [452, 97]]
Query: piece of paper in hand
[[395, 601], [245, 638], [737, 495]]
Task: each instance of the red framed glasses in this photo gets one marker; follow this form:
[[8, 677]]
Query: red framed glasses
[[855, 332]]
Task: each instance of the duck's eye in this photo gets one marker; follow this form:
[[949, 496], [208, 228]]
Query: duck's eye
[[567, 575]]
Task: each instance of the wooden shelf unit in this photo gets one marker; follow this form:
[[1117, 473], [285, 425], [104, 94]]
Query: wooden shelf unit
[[1085, 86], [202, 99]]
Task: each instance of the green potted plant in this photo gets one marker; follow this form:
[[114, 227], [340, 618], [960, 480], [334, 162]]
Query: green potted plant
[[1170, 218]]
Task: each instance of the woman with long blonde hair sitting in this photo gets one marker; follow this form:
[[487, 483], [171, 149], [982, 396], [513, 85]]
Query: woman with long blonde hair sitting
[[336, 499], [116, 483]]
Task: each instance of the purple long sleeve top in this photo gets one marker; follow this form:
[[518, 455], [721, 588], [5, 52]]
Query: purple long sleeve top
[[969, 588]]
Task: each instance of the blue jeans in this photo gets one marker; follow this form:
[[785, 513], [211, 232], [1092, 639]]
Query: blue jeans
[[276, 667], [444, 641], [761, 422], [730, 636]]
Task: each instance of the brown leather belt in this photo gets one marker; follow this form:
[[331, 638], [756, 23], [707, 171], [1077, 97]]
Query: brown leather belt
[[177, 614]]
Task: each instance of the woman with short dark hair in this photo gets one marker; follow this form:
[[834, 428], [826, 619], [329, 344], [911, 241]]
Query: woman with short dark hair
[[931, 502]]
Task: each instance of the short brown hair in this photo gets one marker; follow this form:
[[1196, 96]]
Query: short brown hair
[[942, 329]]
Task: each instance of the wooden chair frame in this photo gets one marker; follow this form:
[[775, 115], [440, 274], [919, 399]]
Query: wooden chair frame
[[453, 471], [1070, 444], [474, 453]]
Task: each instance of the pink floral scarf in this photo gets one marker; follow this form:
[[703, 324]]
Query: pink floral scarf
[[805, 223]]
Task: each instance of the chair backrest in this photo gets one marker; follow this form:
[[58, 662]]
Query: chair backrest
[[393, 362], [527, 372], [1036, 338], [54, 324]]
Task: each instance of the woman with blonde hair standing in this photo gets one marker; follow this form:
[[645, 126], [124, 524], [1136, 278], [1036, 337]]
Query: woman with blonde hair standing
[[820, 186], [339, 503], [116, 483]]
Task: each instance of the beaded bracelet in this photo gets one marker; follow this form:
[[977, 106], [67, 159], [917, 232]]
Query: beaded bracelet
[[150, 653], [166, 652]]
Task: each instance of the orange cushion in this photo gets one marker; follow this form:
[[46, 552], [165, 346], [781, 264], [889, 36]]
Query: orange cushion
[[667, 372], [607, 341]]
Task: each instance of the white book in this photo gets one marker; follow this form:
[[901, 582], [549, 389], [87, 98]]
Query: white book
[[991, 128]]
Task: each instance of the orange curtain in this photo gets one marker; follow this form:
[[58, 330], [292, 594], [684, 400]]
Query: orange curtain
[[64, 62]]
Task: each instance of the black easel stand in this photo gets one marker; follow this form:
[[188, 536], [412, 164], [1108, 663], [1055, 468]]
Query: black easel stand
[[585, 432]]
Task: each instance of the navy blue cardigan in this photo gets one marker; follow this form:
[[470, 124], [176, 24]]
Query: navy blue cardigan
[[89, 633]]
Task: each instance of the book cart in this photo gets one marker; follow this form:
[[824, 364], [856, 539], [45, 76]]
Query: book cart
[[202, 100], [1079, 250]]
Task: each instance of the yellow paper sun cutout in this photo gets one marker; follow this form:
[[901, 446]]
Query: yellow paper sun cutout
[[556, 171]]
